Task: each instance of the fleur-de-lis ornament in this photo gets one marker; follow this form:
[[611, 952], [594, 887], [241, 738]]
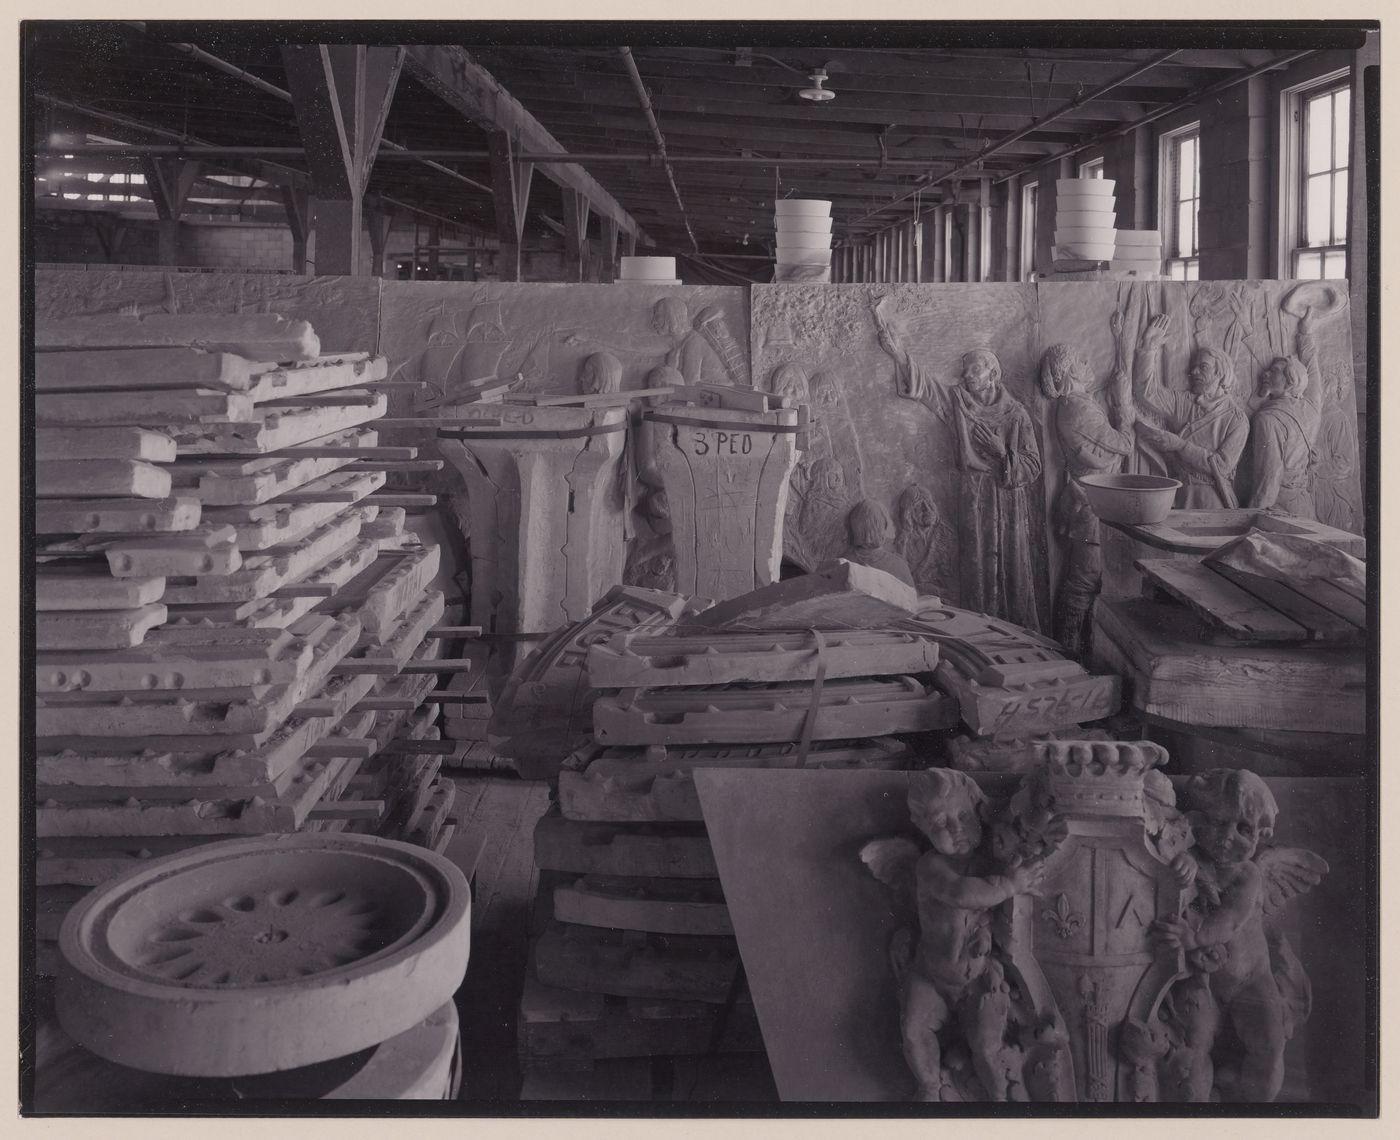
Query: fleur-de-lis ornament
[[1067, 923]]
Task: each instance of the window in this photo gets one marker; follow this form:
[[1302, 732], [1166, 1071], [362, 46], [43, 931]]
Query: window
[[1028, 229], [1318, 136], [1181, 203], [1091, 169]]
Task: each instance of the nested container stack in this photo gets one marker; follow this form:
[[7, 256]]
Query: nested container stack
[[1084, 219], [804, 239], [1138, 254], [233, 625]]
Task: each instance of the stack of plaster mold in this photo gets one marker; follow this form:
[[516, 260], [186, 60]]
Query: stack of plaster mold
[[633, 953], [304, 966], [227, 629]]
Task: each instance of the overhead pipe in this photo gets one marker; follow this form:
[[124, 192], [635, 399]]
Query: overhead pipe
[[645, 99], [1162, 112], [1034, 125]]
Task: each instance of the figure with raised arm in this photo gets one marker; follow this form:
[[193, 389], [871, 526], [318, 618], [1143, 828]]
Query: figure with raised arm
[[1285, 427], [1198, 435]]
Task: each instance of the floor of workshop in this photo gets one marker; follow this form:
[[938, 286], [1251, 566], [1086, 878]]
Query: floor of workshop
[[496, 822]]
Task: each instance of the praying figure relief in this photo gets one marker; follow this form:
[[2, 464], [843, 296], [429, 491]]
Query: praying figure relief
[[872, 535], [1091, 443], [924, 540], [1198, 435], [999, 459], [1086, 938]]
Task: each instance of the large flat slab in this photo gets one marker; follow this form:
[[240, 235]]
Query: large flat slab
[[845, 595]]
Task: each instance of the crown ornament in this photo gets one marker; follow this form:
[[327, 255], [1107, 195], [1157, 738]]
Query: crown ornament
[[1098, 777]]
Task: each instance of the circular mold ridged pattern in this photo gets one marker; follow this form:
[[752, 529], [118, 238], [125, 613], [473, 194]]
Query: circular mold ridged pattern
[[258, 955]]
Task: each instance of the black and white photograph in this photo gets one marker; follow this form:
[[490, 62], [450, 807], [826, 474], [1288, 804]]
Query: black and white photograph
[[699, 568]]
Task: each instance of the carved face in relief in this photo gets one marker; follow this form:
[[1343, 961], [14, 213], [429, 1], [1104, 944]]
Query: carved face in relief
[[1283, 376], [981, 375], [668, 317], [951, 824], [1206, 375], [1230, 834]]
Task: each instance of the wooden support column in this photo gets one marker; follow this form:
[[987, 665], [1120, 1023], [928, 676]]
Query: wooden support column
[[170, 181], [938, 248], [996, 233], [377, 222], [1012, 244], [629, 243], [510, 190], [607, 269], [917, 253], [341, 95], [575, 232], [111, 233], [297, 204]]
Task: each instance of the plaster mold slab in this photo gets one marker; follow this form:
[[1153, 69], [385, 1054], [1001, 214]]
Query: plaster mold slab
[[250, 482], [271, 429], [278, 523], [540, 557], [154, 407], [844, 595], [103, 443], [381, 592], [343, 311], [255, 337], [96, 370], [674, 968], [171, 949], [657, 785], [83, 586], [115, 516], [658, 906], [677, 658], [843, 710], [674, 851], [100, 478], [202, 549], [323, 374], [96, 629]]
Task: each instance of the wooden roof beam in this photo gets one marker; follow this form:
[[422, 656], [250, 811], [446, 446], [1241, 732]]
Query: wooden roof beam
[[455, 77]]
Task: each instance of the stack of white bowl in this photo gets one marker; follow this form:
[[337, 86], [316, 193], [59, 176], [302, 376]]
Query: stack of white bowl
[[647, 271], [1084, 219], [804, 239], [1138, 253]]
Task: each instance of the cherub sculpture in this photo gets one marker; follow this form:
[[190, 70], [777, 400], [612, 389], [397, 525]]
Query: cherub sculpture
[[950, 971], [1230, 939]]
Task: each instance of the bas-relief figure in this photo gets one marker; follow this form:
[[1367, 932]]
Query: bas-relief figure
[[1197, 435], [999, 460], [1088, 938], [924, 540], [1091, 443], [871, 532]]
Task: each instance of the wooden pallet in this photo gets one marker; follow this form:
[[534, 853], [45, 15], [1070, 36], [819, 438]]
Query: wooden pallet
[[1249, 609]]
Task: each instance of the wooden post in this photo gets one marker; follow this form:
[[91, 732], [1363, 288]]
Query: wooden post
[[996, 232], [510, 191], [341, 94], [940, 244], [1012, 245], [170, 181], [297, 204], [575, 232], [607, 270], [378, 223]]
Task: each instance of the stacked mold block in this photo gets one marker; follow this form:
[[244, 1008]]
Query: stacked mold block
[[229, 630], [633, 952]]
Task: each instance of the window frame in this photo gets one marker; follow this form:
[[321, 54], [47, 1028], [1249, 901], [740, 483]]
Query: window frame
[[1092, 168], [1292, 196], [1168, 202]]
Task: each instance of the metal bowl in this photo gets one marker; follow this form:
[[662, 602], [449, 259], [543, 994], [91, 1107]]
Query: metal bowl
[[1133, 499]]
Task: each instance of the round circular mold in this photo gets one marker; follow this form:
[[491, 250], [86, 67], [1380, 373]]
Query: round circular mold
[[257, 955]]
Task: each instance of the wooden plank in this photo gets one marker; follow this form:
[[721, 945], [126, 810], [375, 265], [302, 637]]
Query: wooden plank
[[103, 443], [86, 370], [277, 524], [249, 482], [1341, 602], [658, 906], [272, 430], [1320, 623], [201, 549], [844, 596], [1168, 672], [676, 850], [324, 374], [1218, 601], [671, 967], [255, 336]]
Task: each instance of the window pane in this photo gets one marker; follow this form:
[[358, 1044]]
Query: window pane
[[1334, 264], [1185, 217], [1317, 210], [1308, 266], [1317, 132], [1176, 270], [1339, 207], [1186, 168], [1341, 125], [1193, 271]]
